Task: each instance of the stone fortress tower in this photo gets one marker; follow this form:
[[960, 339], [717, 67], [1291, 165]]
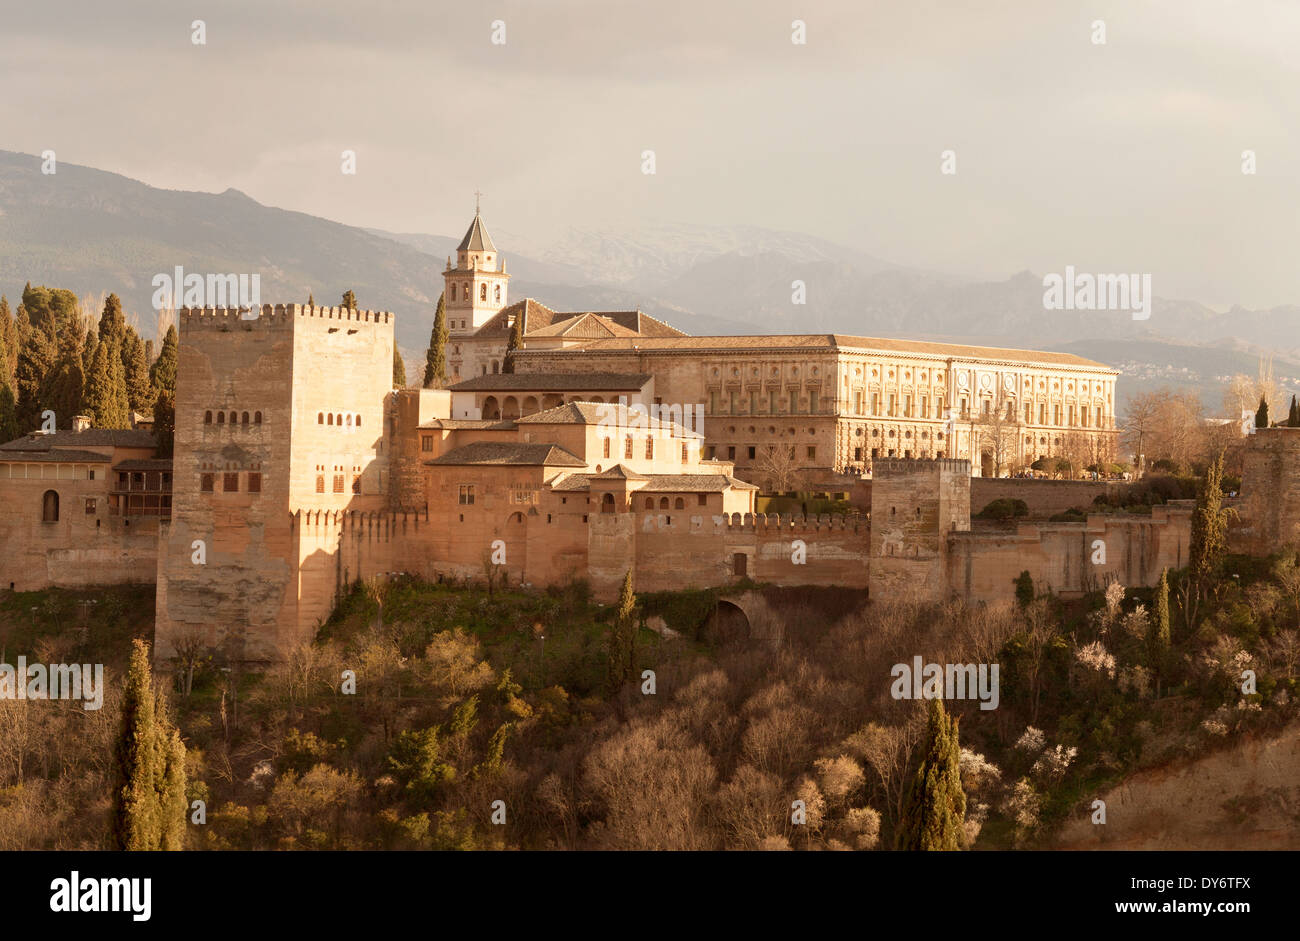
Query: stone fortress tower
[[280, 421]]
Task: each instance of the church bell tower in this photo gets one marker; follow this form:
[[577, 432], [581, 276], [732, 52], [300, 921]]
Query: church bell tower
[[476, 288]]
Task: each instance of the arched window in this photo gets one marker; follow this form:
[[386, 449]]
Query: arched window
[[679, 504], [221, 418], [50, 507], [349, 421], [496, 367], [464, 291], [663, 503], [243, 418], [257, 418], [482, 292], [233, 418], [320, 418], [606, 447], [607, 503], [330, 420], [207, 417], [358, 421], [498, 295], [649, 503]]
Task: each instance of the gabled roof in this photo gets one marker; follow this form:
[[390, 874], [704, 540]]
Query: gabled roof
[[55, 456], [537, 317], [553, 382], [659, 483], [604, 413], [91, 437], [504, 452], [618, 472], [476, 238], [586, 327], [830, 342]]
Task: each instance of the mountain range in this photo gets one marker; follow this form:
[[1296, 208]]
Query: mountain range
[[92, 232]]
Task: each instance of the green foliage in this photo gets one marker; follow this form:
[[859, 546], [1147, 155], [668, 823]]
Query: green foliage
[[1024, 589], [149, 763], [934, 808], [52, 308], [135, 367], [164, 422], [435, 359], [1003, 508], [417, 761], [1293, 417], [106, 399], [1261, 414], [516, 341], [349, 299], [621, 640], [399, 369], [64, 384], [112, 322], [35, 362]]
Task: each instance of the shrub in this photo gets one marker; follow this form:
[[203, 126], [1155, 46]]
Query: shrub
[[1003, 508]]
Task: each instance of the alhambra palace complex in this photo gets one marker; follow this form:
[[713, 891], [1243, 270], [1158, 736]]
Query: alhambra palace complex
[[299, 469]]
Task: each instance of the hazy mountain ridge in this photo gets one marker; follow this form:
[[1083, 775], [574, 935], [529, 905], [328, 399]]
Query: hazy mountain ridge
[[93, 231]]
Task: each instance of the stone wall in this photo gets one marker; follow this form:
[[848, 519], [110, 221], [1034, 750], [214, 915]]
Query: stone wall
[[1043, 497]]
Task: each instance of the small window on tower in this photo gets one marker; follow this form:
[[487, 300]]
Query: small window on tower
[[230, 484], [453, 292], [482, 292], [498, 294], [338, 483], [320, 483], [254, 483]]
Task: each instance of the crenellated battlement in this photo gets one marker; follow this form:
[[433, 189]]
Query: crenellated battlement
[[273, 315], [761, 524], [898, 465]]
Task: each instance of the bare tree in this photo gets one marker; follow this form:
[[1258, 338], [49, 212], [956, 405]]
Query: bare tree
[[998, 431], [780, 467]]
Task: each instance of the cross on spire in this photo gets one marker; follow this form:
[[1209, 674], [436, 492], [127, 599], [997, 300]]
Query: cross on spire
[[477, 196]]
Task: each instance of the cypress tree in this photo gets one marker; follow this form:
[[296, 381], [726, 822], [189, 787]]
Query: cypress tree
[[112, 322], [88, 351], [164, 422], [1024, 589], [8, 401], [1261, 415], [9, 335], [1293, 417], [105, 399], [349, 300], [620, 642], [516, 341], [399, 369], [35, 362], [435, 360], [64, 384], [52, 307], [311, 299], [149, 767], [934, 810], [1158, 641], [163, 372], [135, 366]]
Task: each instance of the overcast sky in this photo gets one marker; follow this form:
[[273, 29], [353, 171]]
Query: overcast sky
[[1117, 157]]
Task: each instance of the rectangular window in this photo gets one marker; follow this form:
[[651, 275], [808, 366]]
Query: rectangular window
[[771, 401], [703, 499], [426, 443], [875, 403], [231, 483], [753, 403], [812, 453], [893, 410], [338, 483], [627, 448], [986, 406], [466, 494], [254, 482], [713, 403], [206, 482], [734, 402], [925, 406], [1083, 416], [686, 454], [751, 452], [649, 448], [731, 453], [907, 406], [1028, 412], [1056, 414], [90, 505], [1042, 414], [320, 483], [606, 447]]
